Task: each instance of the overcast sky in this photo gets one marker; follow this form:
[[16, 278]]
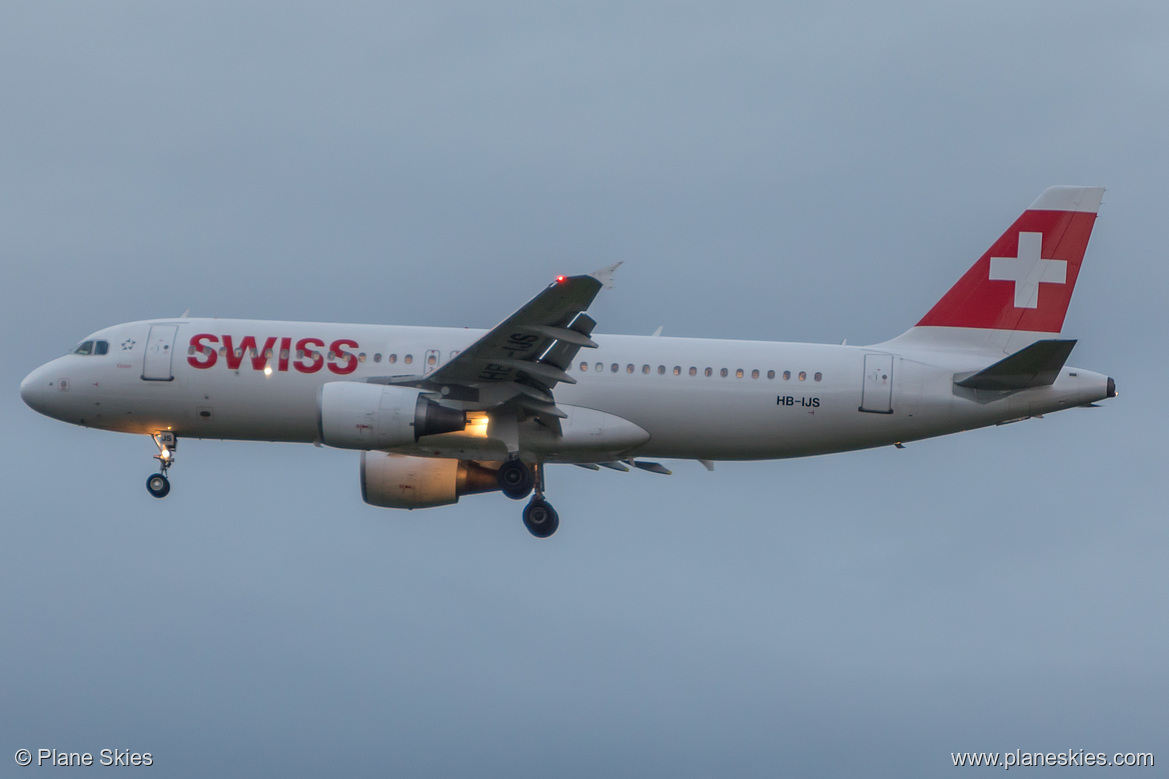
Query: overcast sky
[[810, 172]]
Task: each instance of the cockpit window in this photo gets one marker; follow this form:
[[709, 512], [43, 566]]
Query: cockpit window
[[93, 347]]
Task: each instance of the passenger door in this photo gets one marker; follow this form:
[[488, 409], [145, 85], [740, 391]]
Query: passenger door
[[156, 364], [877, 393]]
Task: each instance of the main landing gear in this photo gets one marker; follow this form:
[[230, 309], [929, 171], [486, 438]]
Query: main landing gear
[[158, 485], [518, 480]]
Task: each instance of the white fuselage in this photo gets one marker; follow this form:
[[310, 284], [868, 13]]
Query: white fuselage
[[760, 400]]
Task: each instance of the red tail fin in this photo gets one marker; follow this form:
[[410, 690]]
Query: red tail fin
[[1024, 282]]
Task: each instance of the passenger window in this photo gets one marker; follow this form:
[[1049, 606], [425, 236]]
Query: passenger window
[[377, 356], [191, 349], [283, 354], [393, 358], [723, 373], [614, 368], [409, 358], [787, 375], [693, 371], [755, 374], [629, 368], [709, 371], [600, 367], [803, 375], [584, 366], [85, 348], [645, 369], [661, 370], [771, 374], [818, 376], [678, 370], [101, 347], [739, 373], [431, 359], [360, 357]]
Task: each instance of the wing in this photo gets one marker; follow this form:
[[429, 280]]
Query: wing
[[523, 358], [535, 343]]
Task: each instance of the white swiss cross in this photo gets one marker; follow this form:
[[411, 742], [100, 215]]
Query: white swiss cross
[[1028, 270]]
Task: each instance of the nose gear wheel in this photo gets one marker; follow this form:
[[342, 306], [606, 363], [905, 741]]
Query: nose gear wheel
[[158, 485]]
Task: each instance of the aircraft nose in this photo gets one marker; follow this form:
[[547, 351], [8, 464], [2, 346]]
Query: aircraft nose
[[32, 390]]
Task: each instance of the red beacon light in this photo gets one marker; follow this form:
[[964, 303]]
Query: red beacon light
[[561, 279]]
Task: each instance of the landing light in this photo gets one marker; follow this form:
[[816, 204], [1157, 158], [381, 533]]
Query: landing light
[[267, 370]]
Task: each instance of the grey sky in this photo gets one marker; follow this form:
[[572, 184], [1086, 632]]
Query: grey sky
[[807, 173]]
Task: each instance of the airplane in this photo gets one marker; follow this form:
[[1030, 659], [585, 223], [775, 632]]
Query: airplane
[[439, 413]]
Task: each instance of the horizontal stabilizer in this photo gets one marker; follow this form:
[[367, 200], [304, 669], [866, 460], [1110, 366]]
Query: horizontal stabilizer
[[1035, 366]]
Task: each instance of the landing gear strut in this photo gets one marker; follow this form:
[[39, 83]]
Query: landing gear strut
[[540, 518], [158, 485]]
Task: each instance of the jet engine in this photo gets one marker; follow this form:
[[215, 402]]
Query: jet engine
[[399, 481], [354, 415]]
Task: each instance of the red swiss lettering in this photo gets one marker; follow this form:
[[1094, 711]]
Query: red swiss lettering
[[309, 356], [260, 359], [315, 358], [235, 354], [201, 350], [348, 360], [285, 348]]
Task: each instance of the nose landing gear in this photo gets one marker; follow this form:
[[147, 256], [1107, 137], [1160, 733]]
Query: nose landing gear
[[158, 485]]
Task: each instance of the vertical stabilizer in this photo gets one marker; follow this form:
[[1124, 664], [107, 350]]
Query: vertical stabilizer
[[1019, 290]]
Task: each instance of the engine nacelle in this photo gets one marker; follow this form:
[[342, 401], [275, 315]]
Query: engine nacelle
[[399, 481], [354, 415]]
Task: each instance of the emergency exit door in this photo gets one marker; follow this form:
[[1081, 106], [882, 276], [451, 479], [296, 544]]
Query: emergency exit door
[[433, 358]]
